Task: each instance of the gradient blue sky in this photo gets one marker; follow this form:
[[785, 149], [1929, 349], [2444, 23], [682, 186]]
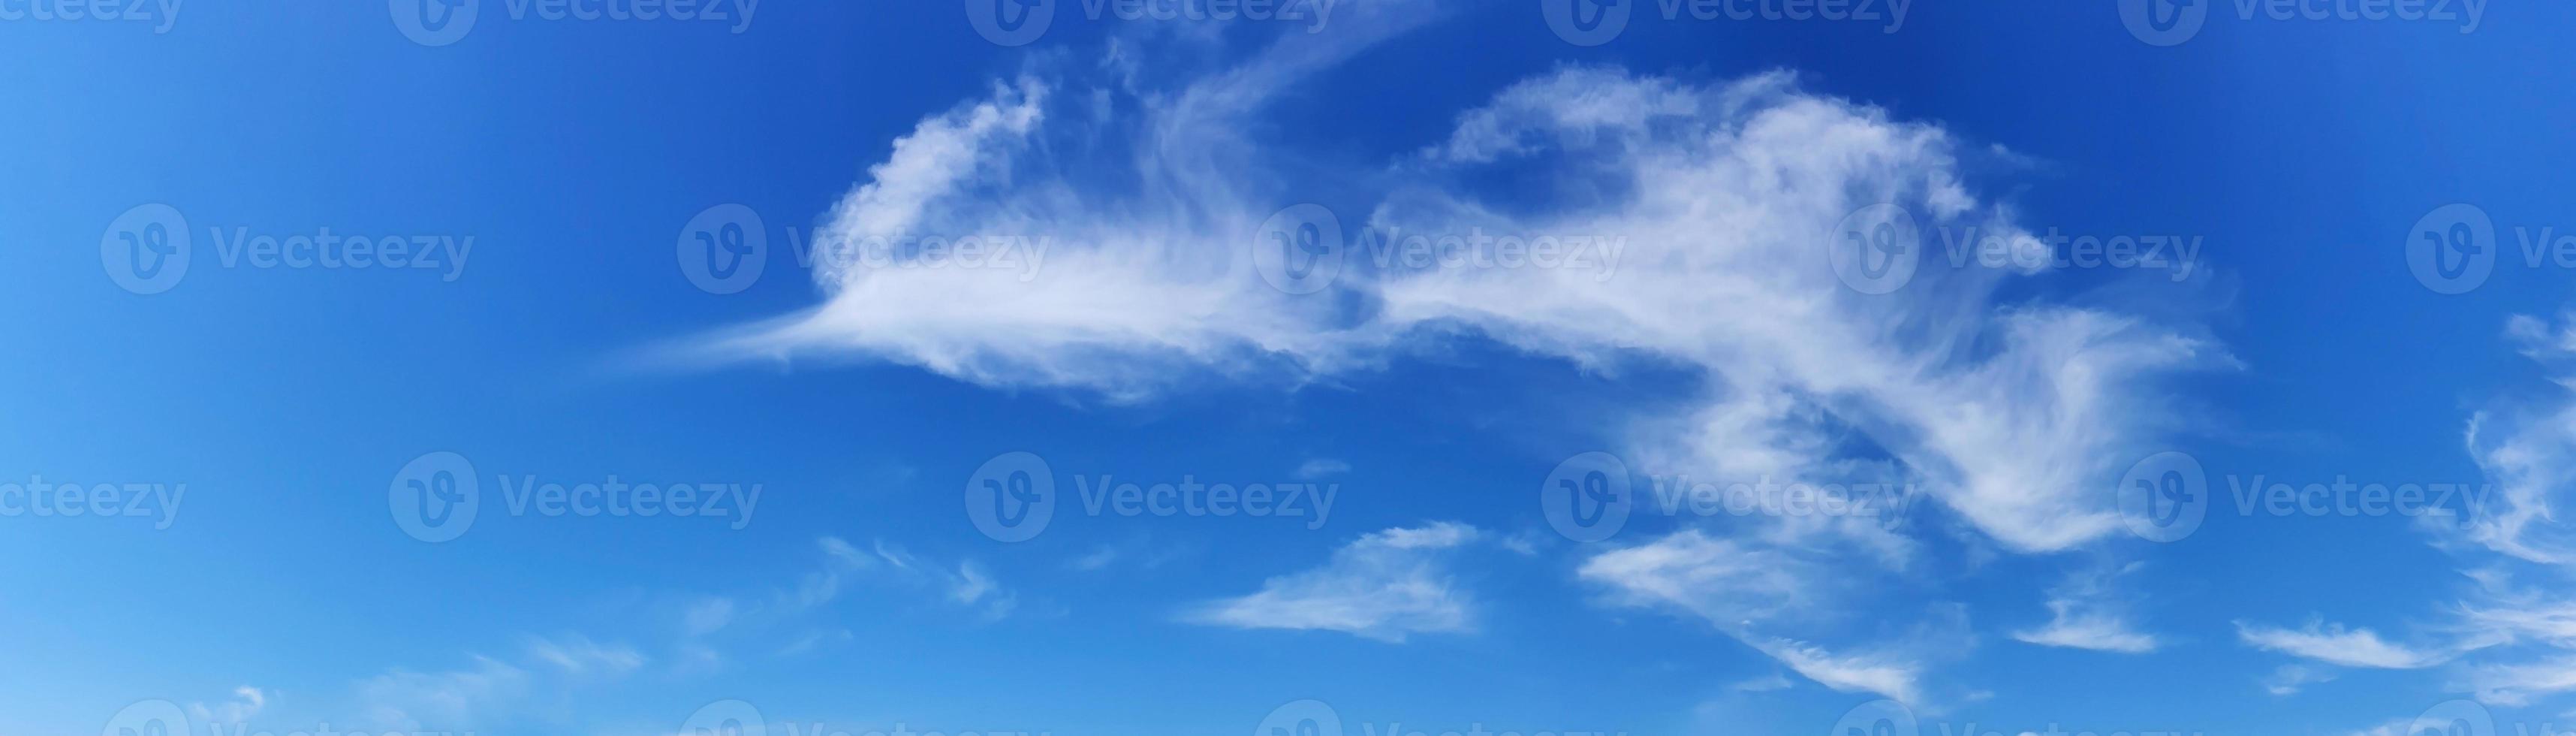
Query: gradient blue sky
[[2302, 155]]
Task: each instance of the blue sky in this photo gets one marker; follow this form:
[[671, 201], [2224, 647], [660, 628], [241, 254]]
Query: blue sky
[[1403, 366]]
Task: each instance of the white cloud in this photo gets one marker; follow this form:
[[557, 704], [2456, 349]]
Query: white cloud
[[1097, 559], [1747, 590], [2291, 678], [964, 583], [2084, 614], [1895, 677], [843, 552], [2516, 684], [2334, 644], [247, 701], [707, 616], [1386, 585], [2087, 631], [578, 655], [1717, 579], [2531, 454], [1320, 467], [456, 699], [1721, 197]]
